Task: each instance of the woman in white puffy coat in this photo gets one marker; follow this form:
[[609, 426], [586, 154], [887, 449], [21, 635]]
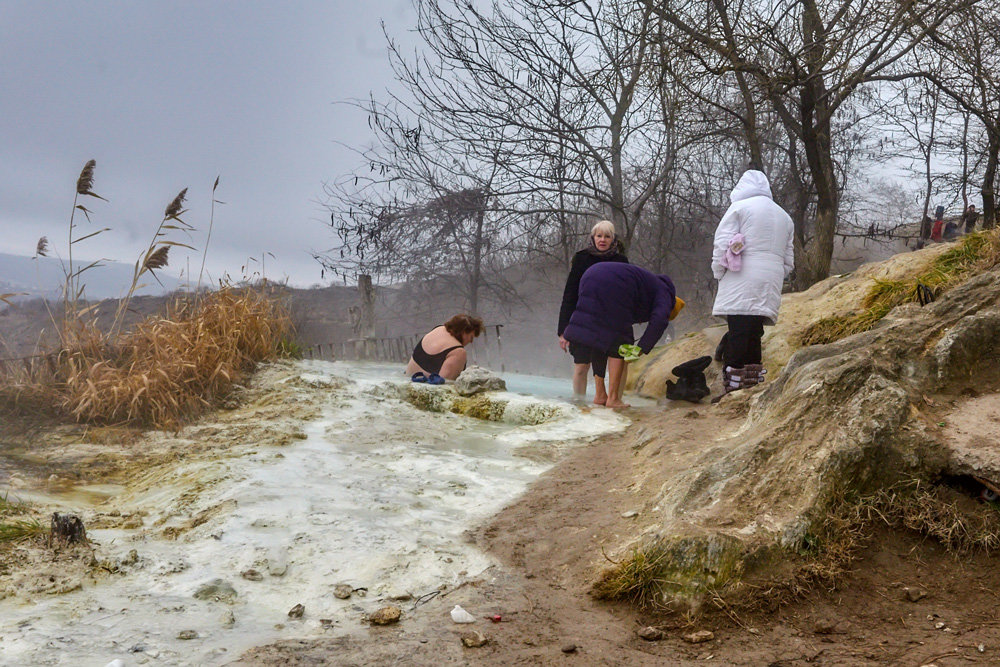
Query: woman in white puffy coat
[[750, 277]]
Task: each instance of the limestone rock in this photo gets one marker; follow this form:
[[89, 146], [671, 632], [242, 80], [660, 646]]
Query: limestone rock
[[252, 575], [342, 591], [699, 637], [476, 379], [385, 616], [651, 634], [297, 611], [474, 639], [218, 590]]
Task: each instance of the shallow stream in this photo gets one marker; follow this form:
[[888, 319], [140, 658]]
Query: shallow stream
[[377, 496]]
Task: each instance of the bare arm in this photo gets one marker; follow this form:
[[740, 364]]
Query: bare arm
[[453, 364]]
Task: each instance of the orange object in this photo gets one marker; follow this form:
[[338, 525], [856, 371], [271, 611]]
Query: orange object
[[678, 305]]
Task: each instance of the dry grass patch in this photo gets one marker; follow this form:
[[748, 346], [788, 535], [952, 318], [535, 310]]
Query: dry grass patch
[[971, 255], [13, 527], [163, 371], [647, 578]]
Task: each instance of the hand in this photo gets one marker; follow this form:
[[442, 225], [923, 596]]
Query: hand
[[564, 344]]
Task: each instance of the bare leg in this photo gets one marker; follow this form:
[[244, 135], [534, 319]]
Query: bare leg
[[616, 377], [600, 393], [580, 379]]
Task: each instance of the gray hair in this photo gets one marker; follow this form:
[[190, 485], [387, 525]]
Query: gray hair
[[605, 226]]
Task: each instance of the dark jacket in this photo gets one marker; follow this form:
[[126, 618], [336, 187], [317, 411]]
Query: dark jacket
[[613, 297], [582, 261]]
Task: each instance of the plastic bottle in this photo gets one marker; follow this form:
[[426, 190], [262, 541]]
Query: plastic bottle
[[459, 615]]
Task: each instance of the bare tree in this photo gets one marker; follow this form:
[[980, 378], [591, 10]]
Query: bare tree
[[970, 45], [419, 212], [809, 58]]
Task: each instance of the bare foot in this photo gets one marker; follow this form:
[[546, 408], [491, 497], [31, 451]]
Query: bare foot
[[601, 400], [616, 405]]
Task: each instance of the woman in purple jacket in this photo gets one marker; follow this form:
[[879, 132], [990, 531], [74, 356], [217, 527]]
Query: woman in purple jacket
[[603, 247], [612, 297]]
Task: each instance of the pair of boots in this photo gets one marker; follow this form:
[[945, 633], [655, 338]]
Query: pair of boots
[[749, 375], [691, 384]]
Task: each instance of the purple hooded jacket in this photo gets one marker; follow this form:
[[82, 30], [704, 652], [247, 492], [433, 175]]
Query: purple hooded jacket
[[615, 296]]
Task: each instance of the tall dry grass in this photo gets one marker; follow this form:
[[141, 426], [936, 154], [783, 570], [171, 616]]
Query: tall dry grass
[[170, 368], [165, 369]]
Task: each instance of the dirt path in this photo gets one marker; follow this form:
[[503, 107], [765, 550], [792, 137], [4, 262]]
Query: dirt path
[[549, 544]]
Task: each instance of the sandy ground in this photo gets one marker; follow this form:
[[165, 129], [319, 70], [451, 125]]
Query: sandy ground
[[551, 543]]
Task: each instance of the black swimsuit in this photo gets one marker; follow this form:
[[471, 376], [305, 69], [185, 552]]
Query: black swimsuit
[[431, 363]]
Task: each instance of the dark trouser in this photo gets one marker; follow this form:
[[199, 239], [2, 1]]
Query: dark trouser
[[743, 341], [597, 359]]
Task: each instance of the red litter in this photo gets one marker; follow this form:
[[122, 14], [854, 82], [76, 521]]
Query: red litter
[[495, 618]]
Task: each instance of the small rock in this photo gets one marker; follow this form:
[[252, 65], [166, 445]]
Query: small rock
[[385, 616], [187, 634], [915, 594], [823, 626], [296, 611], [252, 575], [474, 639], [217, 589], [651, 634], [629, 514], [475, 379], [326, 622], [400, 596], [342, 591], [981, 648], [939, 625], [117, 662], [228, 619], [277, 568], [569, 648], [699, 637]]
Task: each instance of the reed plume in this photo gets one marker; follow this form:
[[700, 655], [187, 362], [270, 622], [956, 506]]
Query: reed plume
[[175, 207], [157, 259], [42, 249], [86, 180]]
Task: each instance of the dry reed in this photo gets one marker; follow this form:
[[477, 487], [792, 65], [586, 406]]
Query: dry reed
[[170, 368]]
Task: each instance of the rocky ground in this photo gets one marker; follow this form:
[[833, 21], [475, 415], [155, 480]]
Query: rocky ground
[[906, 601]]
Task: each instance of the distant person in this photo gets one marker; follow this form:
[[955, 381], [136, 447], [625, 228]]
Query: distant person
[[602, 247], [925, 229], [950, 230], [750, 298], [937, 231], [969, 218], [612, 297], [440, 354]]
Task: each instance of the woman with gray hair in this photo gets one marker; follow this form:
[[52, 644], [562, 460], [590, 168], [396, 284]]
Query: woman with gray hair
[[603, 246]]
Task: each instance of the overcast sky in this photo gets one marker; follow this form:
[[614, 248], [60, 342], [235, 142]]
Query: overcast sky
[[167, 95]]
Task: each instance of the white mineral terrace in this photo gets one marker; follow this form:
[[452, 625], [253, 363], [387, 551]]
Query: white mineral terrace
[[377, 497]]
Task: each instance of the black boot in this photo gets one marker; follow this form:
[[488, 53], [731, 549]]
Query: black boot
[[691, 384]]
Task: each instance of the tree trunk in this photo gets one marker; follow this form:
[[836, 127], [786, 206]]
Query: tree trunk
[[477, 261], [989, 181], [366, 325], [816, 140]]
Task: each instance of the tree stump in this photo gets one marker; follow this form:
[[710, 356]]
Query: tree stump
[[67, 528]]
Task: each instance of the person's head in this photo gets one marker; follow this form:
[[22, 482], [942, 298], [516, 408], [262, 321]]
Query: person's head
[[972, 207], [464, 328], [603, 234]]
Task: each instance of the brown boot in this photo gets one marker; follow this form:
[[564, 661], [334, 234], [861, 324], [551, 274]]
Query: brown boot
[[732, 379], [753, 375]]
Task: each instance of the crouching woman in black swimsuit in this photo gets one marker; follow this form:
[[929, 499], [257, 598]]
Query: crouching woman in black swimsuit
[[442, 350]]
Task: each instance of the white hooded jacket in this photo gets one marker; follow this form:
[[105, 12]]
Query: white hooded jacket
[[767, 257]]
